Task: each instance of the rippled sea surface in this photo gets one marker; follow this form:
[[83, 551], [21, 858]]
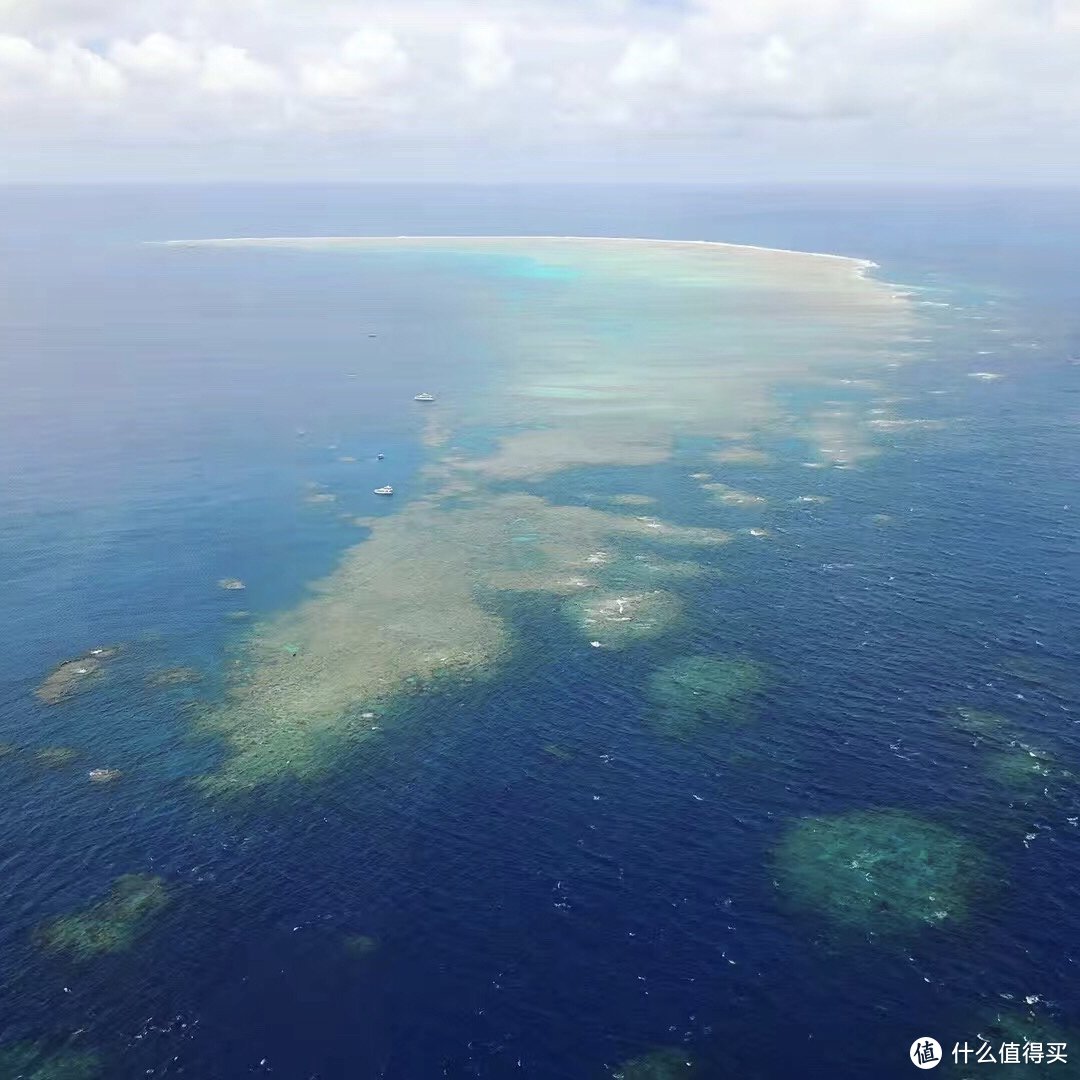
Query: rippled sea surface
[[825, 803]]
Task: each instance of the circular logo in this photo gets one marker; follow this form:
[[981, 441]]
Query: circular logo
[[925, 1053]]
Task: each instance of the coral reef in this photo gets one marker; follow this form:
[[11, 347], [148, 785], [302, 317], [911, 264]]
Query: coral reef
[[56, 757], [112, 924], [74, 675], [176, 676], [883, 871], [35, 1061], [665, 1063], [360, 946], [620, 619], [694, 691]]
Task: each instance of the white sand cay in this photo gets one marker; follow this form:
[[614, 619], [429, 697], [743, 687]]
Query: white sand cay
[[860, 266]]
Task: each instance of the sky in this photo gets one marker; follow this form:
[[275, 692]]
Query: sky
[[540, 90]]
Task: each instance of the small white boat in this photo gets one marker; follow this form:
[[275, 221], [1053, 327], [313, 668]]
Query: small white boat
[[424, 397], [388, 490]]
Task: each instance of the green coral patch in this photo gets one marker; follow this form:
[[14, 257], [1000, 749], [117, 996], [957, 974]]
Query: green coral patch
[[666, 1063], [981, 721], [75, 675], [56, 757], [741, 455], [730, 496], [693, 691], [111, 925], [879, 870], [558, 752], [175, 676], [33, 1061], [622, 618], [360, 946], [1019, 770], [1024, 771]]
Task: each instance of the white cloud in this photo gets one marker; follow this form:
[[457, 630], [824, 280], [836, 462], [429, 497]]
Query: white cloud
[[485, 60], [76, 70], [776, 60], [63, 72], [365, 60], [227, 69], [20, 59], [376, 51], [1066, 15], [332, 79], [647, 60], [935, 74], [156, 56]]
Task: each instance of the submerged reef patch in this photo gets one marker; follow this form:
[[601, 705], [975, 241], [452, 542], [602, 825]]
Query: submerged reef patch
[[360, 946], [1024, 771], [175, 676], [644, 571], [103, 776], [111, 925], [883, 424], [56, 757], [620, 618], [414, 604], [559, 753], [694, 691], [730, 496], [36, 1061], [1018, 769], [665, 1063], [980, 721], [74, 675], [879, 871], [741, 455], [1037, 671]]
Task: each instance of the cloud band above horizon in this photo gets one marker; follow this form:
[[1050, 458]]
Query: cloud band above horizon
[[538, 87]]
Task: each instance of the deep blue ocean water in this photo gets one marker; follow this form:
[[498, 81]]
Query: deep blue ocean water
[[164, 414]]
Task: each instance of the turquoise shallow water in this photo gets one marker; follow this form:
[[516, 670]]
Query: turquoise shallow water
[[538, 914]]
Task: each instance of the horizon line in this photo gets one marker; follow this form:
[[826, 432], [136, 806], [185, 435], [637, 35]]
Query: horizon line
[[1069, 184]]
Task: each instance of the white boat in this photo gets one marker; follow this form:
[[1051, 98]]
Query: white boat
[[424, 397], [388, 490]]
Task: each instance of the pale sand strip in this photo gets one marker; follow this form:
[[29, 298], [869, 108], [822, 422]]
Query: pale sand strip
[[858, 264]]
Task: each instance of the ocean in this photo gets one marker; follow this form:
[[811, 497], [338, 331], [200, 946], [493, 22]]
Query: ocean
[[393, 815]]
